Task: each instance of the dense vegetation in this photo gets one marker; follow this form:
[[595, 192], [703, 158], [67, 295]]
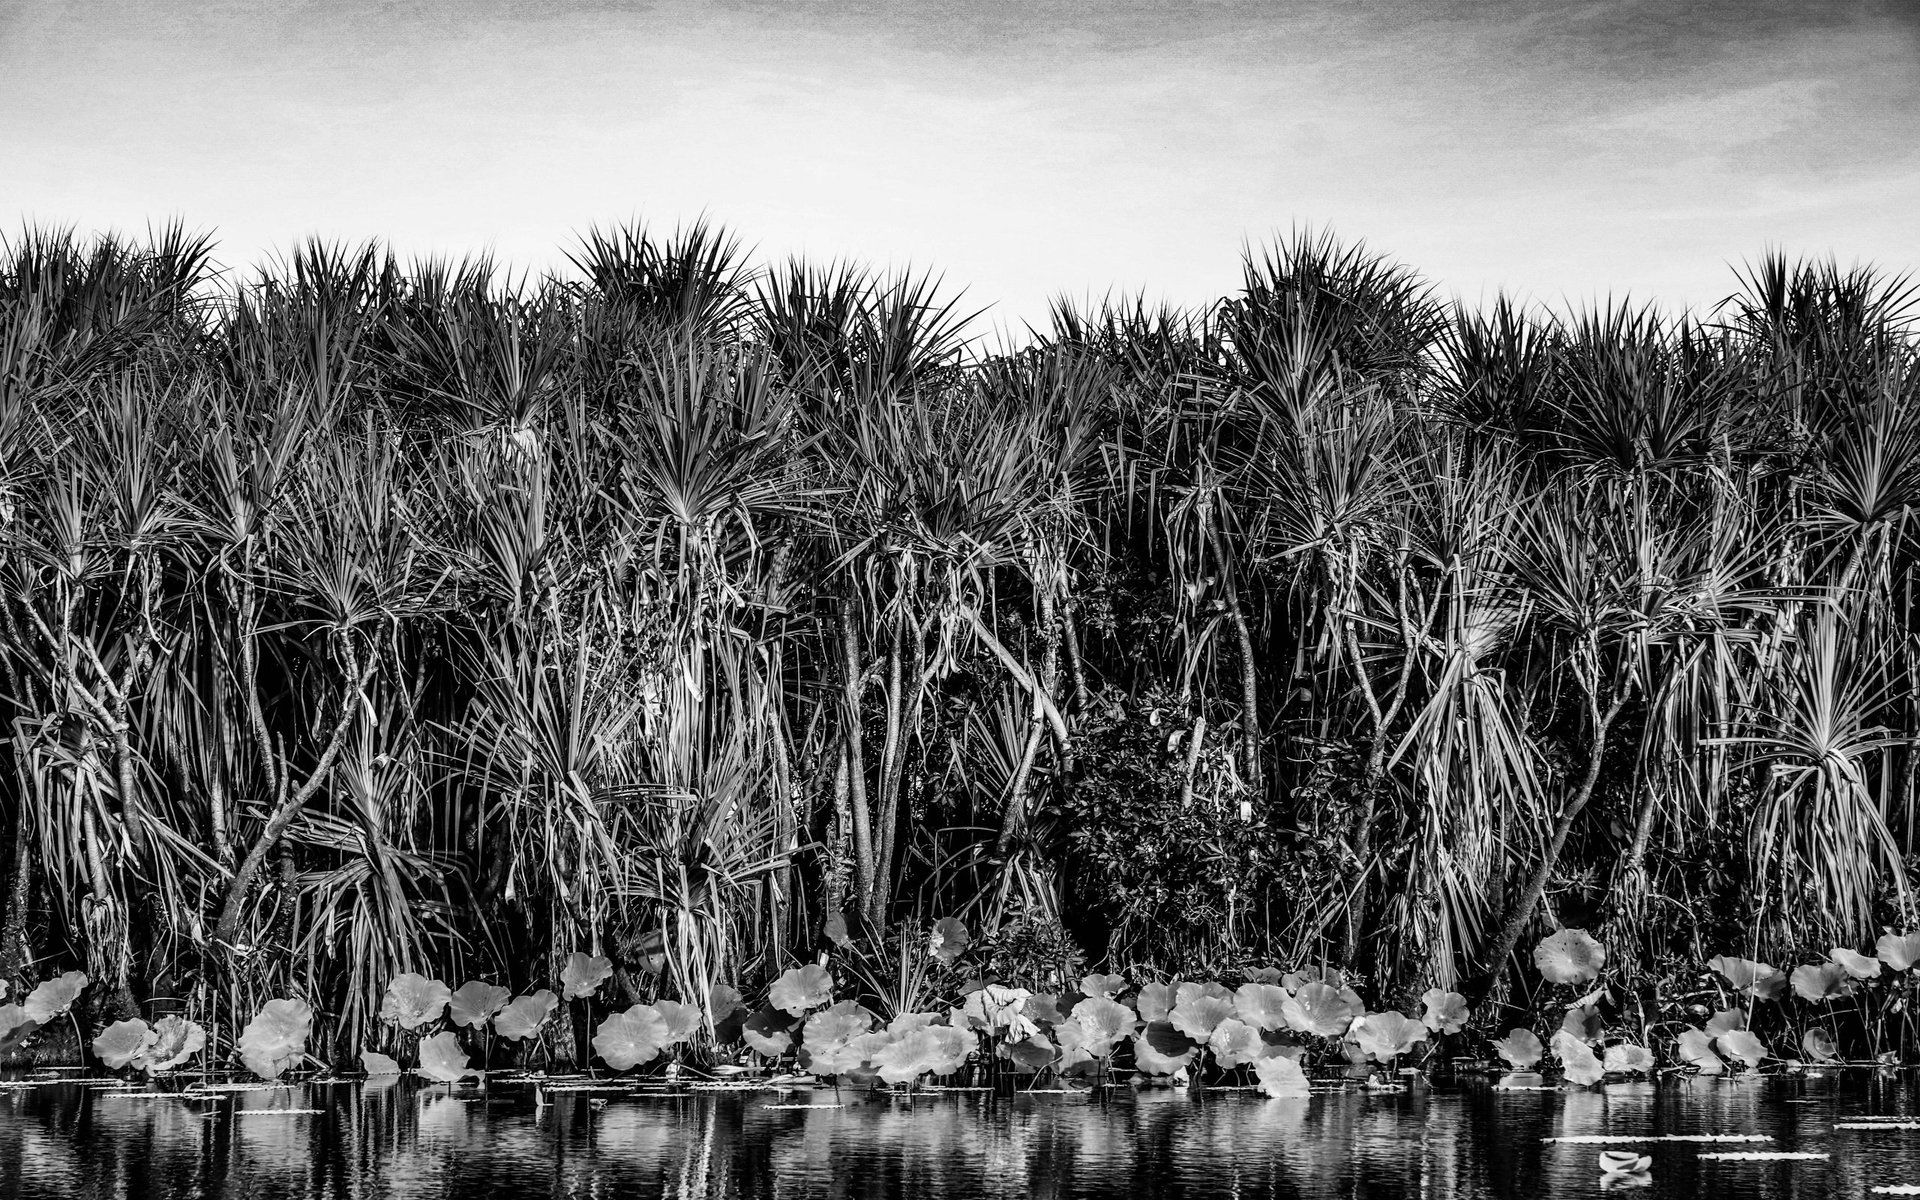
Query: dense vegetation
[[362, 618]]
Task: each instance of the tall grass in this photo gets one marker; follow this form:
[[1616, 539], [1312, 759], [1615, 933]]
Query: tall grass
[[361, 616]]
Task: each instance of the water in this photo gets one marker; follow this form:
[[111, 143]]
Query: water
[[413, 1139]]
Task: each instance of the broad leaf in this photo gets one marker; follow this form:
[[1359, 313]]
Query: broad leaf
[[175, 1040], [475, 1003], [1280, 1077], [413, 1000], [1570, 956], [801, 990], [583, 975], [1521, 1048], [1446, 1012], [54, 997], [524, 1015], [276, 1038], [442, 1059], [123, 1043], [631, 1038]]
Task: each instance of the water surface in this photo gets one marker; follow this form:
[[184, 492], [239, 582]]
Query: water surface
[[411, 1139]]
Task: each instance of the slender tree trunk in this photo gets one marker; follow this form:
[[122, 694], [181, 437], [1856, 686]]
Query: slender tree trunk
[[291, 805], [15, 953], [916, 680], [1521, 913], [856, 759], [1014, 820]]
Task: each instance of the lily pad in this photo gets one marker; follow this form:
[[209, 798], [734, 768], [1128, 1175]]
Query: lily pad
[[1898, 950], [523, 1017], [442, 1059], [375, 1063], [123, 1043], [1197, 1015], [769, 1032], [1577, 1060], [1261, 1005], [1696, 1048], [1281, 1077], [413, 1000], [1741, 1044], [1385, 1036], [175, 1040], [1104, 986], [54, 997], [631, 1038], [476, 1002], [1570, 956], [583, 975], [1150, 1061], [949, 940], [801, 990], [1521, 1048], [1234, 1042], [1319, 1008], [1446, 1012], [1749, 977], [1821, 981], [276, 1038], [1859, 966], [1628, 1058], [1104, 1022], [1820, 1045]]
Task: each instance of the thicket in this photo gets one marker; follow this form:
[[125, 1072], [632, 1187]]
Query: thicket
[[363, 617]]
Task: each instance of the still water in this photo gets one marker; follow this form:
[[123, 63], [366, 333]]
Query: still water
[[414, 1139]]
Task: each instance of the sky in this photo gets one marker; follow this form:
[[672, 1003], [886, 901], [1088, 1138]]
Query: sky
[[1559, 151]]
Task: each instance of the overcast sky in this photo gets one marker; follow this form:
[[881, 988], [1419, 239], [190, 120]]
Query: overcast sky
[[1555, 150]]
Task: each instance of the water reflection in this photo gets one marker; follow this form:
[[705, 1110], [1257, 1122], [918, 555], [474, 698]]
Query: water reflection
[[410, 1139]]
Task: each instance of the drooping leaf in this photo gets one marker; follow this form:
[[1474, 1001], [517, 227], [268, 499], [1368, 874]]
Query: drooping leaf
[[54, 997], [1696, 1047], [1319, 1008], [1280, 1077], [1104, 1022], [475, 1002], [1628, 1058], [1898, 950], [1726, 1021], [1233, 1042], [123, 1043], [276, 1038], [1197, 1015], [1152, 1062], [413, 1000], [948, 941], [1155, 1001], [15, 1026], [442, 1059], [1521, 1048], [1577, 1060], [524, 1015], [836, 1026], [1751, 978], [375, 1063], [1820, 1045], [1031, 1053], [1261, 1005], [1569, 956], [723, 1002], [1859, 966], [1741, 1044], [1103, 986], [583, 975], [1583, 1021], [1000, 1009], [801, 990], [631, 1038], [1446, 1012], [175, 1040], [1385, 1036], [1821, 981], [769, 1032], [683, 1020], [926, 1050]]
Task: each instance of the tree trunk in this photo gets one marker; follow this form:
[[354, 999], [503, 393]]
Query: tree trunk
[[854, 685], [1520, 914], [290, 806]]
